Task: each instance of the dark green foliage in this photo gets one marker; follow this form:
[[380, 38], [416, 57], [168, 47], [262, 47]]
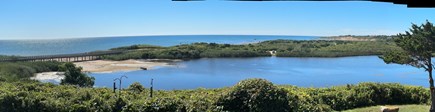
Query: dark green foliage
[[74, 76], [136, 87], [232, 53], [336, 48], [399, 57], [34, 96], [181, 53], [132, 47], [284, 48], [119, 104], [12, 71], [369, 94], [417, 47], [46, 97], [148, 55], [8, 57], [255, 95]]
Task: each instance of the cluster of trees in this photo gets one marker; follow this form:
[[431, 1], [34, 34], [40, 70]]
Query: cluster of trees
[[13, 71], [417, 49], [22, 71], [284, 48], [8, 57], [247, 95], [333, 48], [74, 76]]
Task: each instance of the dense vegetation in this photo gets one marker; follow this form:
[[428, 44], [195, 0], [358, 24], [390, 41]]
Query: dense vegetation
[[417, 48], [35, 97], [13, 71], [257, 95], [8, 57], [74, 76], [22, 71], [288, 48], [283, 48]]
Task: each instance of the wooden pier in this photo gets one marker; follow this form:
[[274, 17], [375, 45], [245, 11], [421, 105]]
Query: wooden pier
[[64, 57]]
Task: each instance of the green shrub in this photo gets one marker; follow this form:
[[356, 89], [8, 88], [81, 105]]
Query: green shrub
[[124, 56], [255, 95], [247, 95], [74, 76], [369, 94], [136, 87]]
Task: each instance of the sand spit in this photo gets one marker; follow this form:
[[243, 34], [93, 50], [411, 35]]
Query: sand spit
[[126, 65], [348, 38]]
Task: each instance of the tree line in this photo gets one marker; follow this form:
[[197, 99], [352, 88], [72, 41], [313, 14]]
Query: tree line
[[283, 48]]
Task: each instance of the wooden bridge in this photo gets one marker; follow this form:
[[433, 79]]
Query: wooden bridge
[[64, 57]]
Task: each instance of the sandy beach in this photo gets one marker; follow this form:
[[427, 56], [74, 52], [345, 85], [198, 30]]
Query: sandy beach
[[348, 39], [126, 65], [105, 66]]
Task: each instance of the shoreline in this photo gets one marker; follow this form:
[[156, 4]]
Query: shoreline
[[105, 66], [109, 66]]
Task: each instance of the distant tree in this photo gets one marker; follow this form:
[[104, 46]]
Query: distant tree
[[417, 45], [74, 76]]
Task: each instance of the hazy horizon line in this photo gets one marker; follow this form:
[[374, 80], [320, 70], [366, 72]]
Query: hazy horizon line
[[110, 36]]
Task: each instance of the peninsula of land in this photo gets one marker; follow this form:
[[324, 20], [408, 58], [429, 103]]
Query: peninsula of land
[[124, 65]]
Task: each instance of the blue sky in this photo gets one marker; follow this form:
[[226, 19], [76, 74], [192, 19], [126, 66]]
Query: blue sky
[[24, 19]]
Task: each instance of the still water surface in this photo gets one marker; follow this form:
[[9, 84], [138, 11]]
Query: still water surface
[[305, 72]]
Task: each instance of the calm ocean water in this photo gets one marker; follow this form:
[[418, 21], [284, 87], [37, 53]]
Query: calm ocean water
[[79, 45]]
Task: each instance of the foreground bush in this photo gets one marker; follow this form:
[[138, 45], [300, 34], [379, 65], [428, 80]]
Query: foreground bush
[[248, 95], [255, 95], [369, 94], [74, 76], [136, 87]]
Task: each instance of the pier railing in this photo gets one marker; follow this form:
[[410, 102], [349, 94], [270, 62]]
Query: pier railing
[[63, 57]]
